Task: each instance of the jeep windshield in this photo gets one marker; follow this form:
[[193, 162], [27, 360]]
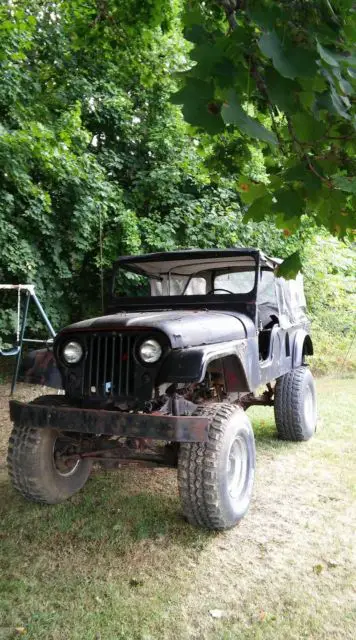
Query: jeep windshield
[[190, 275]]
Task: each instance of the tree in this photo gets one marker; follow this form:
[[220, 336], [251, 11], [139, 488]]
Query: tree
[[280, 74], [94, 159]]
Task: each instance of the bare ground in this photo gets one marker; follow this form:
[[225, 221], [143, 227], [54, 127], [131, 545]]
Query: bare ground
[[117, 561]]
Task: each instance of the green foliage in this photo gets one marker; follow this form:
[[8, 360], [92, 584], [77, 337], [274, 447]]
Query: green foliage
[[293, 64], [330, 285], [290, 266], [96, 162], [92, 152], [77, 134], [232, 113]]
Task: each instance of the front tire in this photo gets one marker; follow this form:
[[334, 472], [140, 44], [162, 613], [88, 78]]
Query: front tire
[[216, 478], [36, 470], [295, 406]]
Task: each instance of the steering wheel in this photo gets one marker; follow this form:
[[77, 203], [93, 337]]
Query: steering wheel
[[218, 289]]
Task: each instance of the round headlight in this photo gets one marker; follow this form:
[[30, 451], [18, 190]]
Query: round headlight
[[72, 352], [150, 351]]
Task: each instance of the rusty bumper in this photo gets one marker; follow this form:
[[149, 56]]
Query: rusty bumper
[[110, 423]]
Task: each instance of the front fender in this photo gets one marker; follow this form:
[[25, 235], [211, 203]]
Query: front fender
[[190, 364], [39, 367], [302, 346]]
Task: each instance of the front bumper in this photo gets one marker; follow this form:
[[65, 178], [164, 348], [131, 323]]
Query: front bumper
[[110, 423]]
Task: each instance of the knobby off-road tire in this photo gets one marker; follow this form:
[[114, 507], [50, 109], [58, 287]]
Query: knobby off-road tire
[[33, 469], [215, 478], [295, 406]]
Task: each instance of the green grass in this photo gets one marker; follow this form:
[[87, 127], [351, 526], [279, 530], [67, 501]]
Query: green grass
[[117, 561]]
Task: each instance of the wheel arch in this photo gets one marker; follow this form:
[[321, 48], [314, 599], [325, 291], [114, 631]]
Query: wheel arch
[[191, 365], [303, 346], [233, 372]]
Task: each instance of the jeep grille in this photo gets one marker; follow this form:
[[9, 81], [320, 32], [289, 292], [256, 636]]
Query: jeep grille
[[109, 365]]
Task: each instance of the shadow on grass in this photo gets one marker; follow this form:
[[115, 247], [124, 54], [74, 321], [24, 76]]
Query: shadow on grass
[[116, 510], [264, 428], [96, 550], [113, 515]]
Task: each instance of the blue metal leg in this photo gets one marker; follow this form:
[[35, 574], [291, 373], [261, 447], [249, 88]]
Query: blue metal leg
[[43, 314]]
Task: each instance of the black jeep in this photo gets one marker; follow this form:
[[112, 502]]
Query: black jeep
[[165, 377]]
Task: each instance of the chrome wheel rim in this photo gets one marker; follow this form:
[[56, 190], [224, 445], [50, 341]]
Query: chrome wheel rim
[[64, 468], [309, 409], [237, 467]]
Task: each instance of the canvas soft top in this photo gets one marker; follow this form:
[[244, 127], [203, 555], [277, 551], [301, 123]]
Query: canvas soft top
[[187, 261], [284, 298]]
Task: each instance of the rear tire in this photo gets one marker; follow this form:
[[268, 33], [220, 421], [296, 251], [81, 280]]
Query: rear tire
[[35, 468], [295, 406], [216, 478]]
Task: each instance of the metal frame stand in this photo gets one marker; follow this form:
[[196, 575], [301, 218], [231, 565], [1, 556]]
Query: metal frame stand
[[29, 290]]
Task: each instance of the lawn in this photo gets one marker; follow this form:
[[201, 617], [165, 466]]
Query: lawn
[[118, 562]]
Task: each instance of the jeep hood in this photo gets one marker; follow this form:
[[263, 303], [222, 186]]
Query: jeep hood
[[183, 328]]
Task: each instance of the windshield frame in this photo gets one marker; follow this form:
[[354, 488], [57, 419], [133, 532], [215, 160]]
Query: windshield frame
[[201, 270], [245, 303]]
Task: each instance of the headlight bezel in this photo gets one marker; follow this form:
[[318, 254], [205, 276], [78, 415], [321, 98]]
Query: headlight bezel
[[77, 343], [145, 342]]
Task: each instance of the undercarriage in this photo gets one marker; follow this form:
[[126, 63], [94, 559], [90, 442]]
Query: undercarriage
[[114, 437]]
